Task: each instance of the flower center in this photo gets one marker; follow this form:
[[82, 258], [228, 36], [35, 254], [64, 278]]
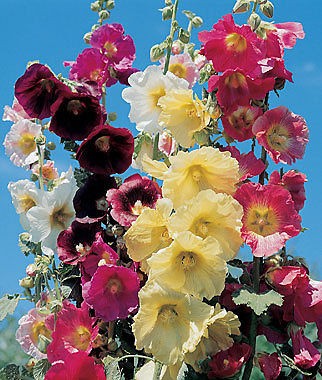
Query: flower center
[[235, 80], [47, 85], [178, 69], [241, 119], [278, 137], [75, 107], [110, 49], [262, 220], [165, 236], [114, 286], [27, 143], [138, 208], [187, 260], [167, 314], [201, 228], [81, 338], [95, 75], [235, 42], [83, 250], [103, 143], [155, 94], [102, 204], [60, 218], [26, 203], [39, 328]]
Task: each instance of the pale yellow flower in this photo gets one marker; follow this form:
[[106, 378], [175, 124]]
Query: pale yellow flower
[[191, 172], [190, 265], [216, 338], [167, 373], [169, 323], [182, 115], [211, 214]]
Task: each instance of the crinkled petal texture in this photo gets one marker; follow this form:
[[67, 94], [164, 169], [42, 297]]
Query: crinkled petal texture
[[112, 292], [283, 134], [270, 218], [190, 265], [76, 366], [107, 150], [288, 32], [270, 365], [180, 318], [211, 215], [306, 355]]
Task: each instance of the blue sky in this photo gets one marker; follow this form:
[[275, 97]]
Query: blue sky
[[51, 31]]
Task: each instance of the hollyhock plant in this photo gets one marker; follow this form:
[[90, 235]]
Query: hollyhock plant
[[106, 150], [270, 218], [270, 365], [306, 355], [38, 89], [131, 198], [112, 292], [283, 134], [76, 366]]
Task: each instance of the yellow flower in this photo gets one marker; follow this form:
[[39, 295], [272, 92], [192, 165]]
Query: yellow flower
[[182, 115], [169, 323], [191, 172], [211, 214], [216, 338], [149, 232], [190, 265]]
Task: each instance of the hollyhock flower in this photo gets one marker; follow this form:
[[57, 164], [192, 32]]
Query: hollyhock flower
[[147, 87], [166, 144], [38, 89], [228, 363], [129, 200], [288, 32], [90, 199], [53, 214], [15, 112], [32, 327], [48, 171], [236, 87], [180, 317], [216, 338], [190, 265], [182, 66], [112, 292], [283, 134], [305, 354], [107, 150], [229, 46], [75, 116], [73, 332], [191, 172], [275, 68], [270, 365], [149, 232], [249, 165], [146, 147], [167, 372], [238, 121], [20, 142], [270, 218], [183, 115], [211, 214], [293, 181], [76, 366]]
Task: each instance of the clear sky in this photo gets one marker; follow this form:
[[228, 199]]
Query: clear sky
[[51, 31]]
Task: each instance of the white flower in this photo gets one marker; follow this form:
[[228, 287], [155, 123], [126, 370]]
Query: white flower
[[147, 87]]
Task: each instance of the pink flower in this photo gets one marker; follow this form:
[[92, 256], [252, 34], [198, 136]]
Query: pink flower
[[271, 365], [236, 87], [74, 332], [130, 199], [293, 181], [288, 32], [76, 366], [167, 144], [49, 172], [305, 354], [229, 46], [15, 112], [275, 68], [270, 218], [238, 121], [112, 292], [283, 134]]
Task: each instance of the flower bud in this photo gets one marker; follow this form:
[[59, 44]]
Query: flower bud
[[197, 21], [27, 282], [34, 177], [31, 270], [168, 2], [112, 116], [40, 140], [87, 37], [267, 9], [156, 53], [167, 13], [104, 15], [279, 83], [254, 21], [241, 6], [95, 7], [184, 36], [177, 47], [51, 145], [110, 4]]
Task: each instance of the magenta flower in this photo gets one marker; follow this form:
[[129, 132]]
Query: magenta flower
[[305, 354], [270, 365], [75, 116], [107, 150], [112, 292], [74, 332], [275, 68], [283, 134], [130, 199], [76, 366], [38, 89], [270, 218], [288, 32]]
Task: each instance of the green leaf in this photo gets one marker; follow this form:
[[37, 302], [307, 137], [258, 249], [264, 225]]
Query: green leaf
[[189, 14], [40, 369], [10, 372], [112, 370], [8, 305], [258, 302]]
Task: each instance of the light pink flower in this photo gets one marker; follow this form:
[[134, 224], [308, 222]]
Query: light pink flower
[[15, 112], [49, 172], [167, 144], [288, 32]]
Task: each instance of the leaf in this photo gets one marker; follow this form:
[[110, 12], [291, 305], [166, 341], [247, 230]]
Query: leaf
[[10, 372], [258, 302], [8, 305], [40, 369], [112, 370]]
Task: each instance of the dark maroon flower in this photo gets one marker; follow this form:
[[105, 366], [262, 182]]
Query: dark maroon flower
[[271, 365], [107, 150], [129, 200], [90, 199], [75, 116], [38, 89]]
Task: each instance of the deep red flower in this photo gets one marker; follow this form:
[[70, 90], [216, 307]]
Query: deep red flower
[[38, 89], [107, 150], [305, 354], [271, 365]]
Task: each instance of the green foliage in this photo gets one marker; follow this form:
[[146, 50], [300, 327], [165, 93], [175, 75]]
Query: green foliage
[[40, 369], [8, 305], [112, 370]]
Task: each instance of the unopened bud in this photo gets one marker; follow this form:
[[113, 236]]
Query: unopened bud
[[95, 7], [267, 9], [279, 83], [254, 21], [167, 13], [168, 2], [156, 53], [197, 21], [27, 282], [177, 47], [117, 230], [94, 27], [112, 116], [34, 177], [40, 140], [184, 36], [241, 6], [87, 37], [110, 4], [31, 270], [51, 145], [104, 15]]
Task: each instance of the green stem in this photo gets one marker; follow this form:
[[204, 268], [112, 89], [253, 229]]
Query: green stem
[[134, 356], [171, 35], [156, 146], [157, 370], [41, 164], [255, 6]]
